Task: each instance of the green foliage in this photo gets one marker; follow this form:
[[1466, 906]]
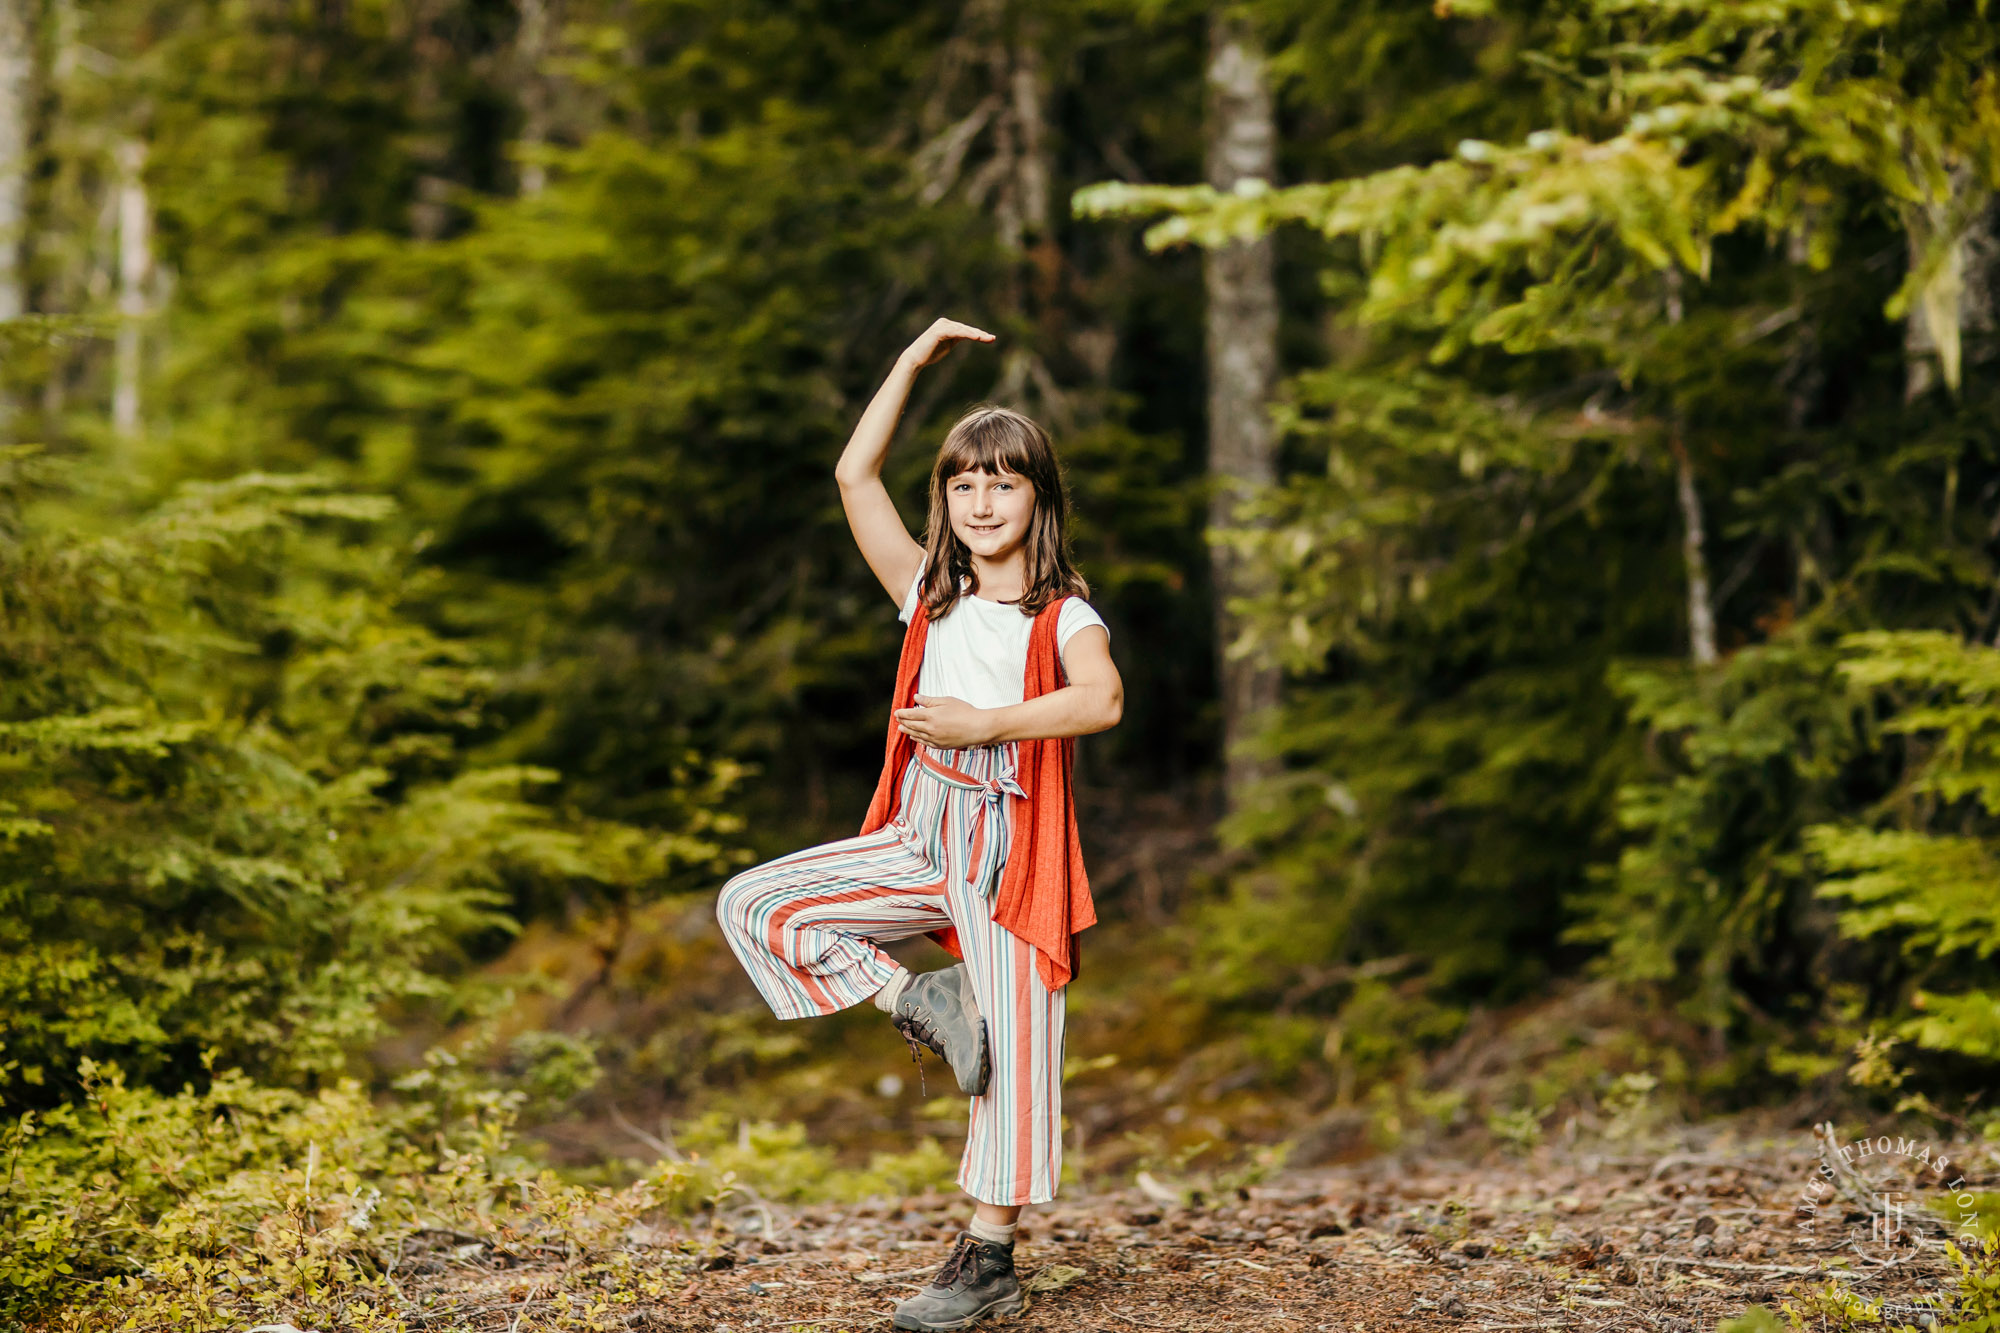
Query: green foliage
[[1713, 873], [1756, 1319], [1972, 1305], [244, 1203], [1617, 282], [611, 403], [125, 1180], [1670, 127], [241, 811], [1924, 878], [243, 820], [777, 1162]]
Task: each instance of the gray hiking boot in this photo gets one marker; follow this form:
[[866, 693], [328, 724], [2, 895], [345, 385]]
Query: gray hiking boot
[[977, 1280], [937, 1010]]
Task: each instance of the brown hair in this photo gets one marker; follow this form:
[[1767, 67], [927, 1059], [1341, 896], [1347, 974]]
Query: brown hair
[[993, 440]]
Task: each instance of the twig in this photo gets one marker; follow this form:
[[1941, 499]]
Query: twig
[[870, 1278], [515, 1325], [468, 1310], [653, 1141], [1735, 1268], [1745, 1164], [462, 1237]]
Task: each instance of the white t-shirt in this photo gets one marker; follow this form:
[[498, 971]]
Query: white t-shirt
[[978, 651]]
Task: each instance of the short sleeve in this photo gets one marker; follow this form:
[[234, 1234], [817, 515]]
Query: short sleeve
[[1076, 614], [910, 598]]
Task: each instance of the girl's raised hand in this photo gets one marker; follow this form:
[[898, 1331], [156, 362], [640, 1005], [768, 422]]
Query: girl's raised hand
[[936, 341], [878, 529]]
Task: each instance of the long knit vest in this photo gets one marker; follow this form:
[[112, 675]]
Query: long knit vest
[[1044, 896]]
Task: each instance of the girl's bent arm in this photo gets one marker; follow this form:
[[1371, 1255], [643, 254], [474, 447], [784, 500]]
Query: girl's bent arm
[[1093, 701], [878, 529]]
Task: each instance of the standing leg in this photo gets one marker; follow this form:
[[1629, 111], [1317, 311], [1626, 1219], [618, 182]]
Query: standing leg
[[1013, 1148]]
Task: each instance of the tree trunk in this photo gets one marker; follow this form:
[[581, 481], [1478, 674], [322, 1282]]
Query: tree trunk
[[1694, 551], [531, 50], [16, 80], [1701, 612], [135, 266], [1016, 184], [1242, 346]]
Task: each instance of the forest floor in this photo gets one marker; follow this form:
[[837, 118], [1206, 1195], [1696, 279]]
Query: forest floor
[[1564, 1240]]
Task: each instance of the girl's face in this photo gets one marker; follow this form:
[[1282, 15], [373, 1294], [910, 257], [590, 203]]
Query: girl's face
[[990, 511]]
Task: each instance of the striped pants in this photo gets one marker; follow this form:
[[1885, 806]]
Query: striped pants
[[807, 926]]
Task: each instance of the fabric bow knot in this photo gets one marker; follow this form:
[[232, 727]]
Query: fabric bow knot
[[990, 792]]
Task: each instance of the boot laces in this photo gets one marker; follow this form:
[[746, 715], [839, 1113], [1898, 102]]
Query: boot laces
[[921, 1037], [964, 1255]]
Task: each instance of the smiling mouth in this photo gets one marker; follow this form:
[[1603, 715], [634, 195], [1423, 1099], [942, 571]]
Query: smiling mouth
[[986, 527]]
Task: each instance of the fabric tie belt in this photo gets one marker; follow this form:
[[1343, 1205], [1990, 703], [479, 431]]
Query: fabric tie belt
[[991, 789]]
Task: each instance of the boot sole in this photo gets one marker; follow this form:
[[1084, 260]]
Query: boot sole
[[985, 1075], [1002, 1305]]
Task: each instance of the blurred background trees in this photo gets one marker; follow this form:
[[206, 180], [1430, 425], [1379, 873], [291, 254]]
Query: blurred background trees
[[1537, 462]]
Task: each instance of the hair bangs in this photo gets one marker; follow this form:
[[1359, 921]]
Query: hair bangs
[[987, 442]]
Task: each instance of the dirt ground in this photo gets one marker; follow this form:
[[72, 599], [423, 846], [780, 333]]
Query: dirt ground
[[1665, 1240]]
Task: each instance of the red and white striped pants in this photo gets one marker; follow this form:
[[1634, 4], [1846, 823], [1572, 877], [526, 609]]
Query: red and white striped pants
[[807, 926]]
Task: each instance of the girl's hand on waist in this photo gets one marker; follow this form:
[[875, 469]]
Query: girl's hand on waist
[[945, 722]]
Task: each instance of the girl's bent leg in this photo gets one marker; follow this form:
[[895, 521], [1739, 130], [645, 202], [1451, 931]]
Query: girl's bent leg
[[805, 926]]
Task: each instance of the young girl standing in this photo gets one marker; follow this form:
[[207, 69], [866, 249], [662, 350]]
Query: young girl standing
[[971, 837]]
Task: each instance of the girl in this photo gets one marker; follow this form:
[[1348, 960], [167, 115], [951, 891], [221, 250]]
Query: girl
[[971, 837]]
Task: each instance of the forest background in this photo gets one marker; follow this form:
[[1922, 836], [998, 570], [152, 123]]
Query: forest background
[[1537, 461]]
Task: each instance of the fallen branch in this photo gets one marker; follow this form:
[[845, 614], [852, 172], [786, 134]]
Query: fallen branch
[[1734, 1268], [462, 1310], [1674, 1159], [869, 1278], [1142, 1323]]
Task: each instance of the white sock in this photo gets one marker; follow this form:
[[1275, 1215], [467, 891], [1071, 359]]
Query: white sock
[[885, 999], [998, 1233]]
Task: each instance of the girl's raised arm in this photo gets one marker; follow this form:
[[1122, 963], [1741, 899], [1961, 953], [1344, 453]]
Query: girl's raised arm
[[878, 529]]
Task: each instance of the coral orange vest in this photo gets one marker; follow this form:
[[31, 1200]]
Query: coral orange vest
[[1043, 897]]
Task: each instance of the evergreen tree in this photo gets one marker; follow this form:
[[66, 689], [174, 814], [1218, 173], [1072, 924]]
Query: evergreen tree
[[242, 812], [1639, 342]]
